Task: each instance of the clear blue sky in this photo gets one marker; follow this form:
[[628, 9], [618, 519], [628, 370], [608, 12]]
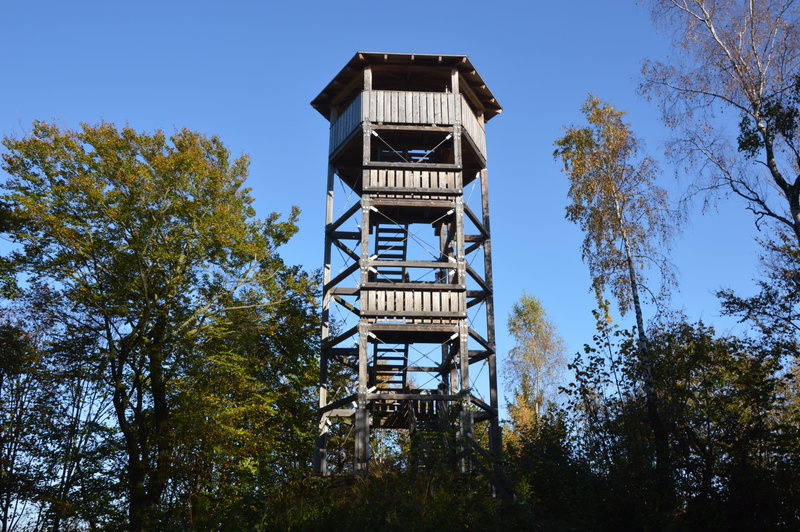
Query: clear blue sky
[[246, 71]]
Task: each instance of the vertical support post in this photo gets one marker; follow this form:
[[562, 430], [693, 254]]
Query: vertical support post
[[362, 414], [320, 459], [495, 434], [465, 413]]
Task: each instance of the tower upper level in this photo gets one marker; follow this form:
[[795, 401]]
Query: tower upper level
[[437, 95]]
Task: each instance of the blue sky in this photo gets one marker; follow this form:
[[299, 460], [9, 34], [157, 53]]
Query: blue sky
[[246, 71]]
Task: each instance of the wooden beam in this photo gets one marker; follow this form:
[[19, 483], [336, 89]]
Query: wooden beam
[[412, 264], [414, 190], [350, 269], [474, 219], [412, 397], [344, 290], [338, 403], [344, 336], [349, 252], [429, 204], [421, 286], [347, 305], [344, 217], [474, 334], [477, 401], [346, 235], [413, 166], [415, 127], [477, 278]]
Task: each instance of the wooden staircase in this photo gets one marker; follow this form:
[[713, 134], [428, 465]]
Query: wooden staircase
[[391, 243], [430, 433]]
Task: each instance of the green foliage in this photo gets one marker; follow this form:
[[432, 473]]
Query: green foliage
[[427, 500], [535, 363], [193, 330]]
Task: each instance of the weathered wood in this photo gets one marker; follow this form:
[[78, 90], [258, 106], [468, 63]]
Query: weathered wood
[[337, 339], [344, 217], [423, 165], [430, 305], [346, 124], [338, 403], [345, 274], [413, 396]]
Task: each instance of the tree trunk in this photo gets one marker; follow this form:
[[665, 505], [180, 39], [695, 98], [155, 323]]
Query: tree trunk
[[663, 466]]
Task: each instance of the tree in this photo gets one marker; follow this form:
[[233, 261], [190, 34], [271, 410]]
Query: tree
[[151, 242], [625, 219], [535, 362], [741, 57]]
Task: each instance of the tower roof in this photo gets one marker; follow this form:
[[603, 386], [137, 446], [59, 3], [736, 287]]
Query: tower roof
[[351, 72]]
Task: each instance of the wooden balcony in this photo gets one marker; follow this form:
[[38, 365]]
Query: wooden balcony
[[410, 183], [408, 108], [413, 303]]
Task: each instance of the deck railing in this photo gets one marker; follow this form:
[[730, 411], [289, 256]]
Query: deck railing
[[407, 107], [413, 303]]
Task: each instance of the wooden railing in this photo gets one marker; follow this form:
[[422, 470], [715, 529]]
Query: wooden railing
[[419, 181], [407, 107], [413, 303], [346, 123], [473, 127], [410, 107]]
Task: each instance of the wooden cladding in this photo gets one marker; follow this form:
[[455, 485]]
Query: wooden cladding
[[384, 180], [410, 108], [473, 127], [346, 124], [413, 303]]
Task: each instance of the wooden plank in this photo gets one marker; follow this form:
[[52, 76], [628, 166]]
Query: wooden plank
[[409, 107], [417, 303], [412, 264], [432, 166], [415, 107], [379, 106]]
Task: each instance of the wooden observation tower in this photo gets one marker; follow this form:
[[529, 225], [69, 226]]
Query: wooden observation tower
[[408, 338]]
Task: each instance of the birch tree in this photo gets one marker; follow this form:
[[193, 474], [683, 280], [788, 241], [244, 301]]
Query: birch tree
[[535, 363], [626, 224], [735, 60]]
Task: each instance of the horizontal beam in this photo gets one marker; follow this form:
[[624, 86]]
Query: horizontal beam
[[402, 127], [412, 397], [346, 235], [433, 314], [414, 166], [415, 190], [344, 290], [413, 264], [421, 286], [428, 204]]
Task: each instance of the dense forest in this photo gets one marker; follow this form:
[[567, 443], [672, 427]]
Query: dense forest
[[159, 358]]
